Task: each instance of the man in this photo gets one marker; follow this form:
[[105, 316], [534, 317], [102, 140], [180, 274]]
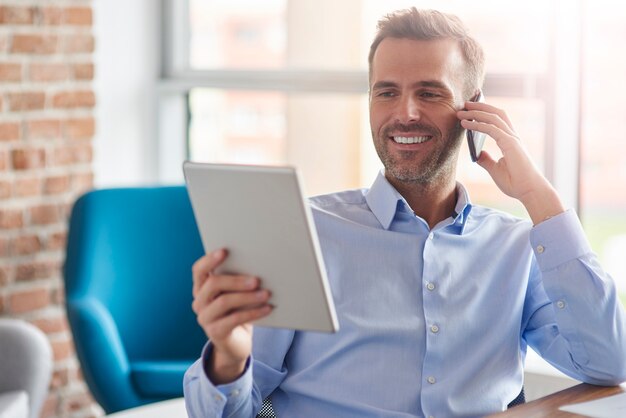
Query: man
[[437, 299]]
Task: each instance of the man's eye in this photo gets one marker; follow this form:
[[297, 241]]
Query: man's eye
[[386, 94], [428, 95]]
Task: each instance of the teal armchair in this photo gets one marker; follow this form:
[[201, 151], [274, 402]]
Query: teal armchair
[[128, 293]]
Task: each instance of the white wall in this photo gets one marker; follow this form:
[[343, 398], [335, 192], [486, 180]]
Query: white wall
[[126, 72]]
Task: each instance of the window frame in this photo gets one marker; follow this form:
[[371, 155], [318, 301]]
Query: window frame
[[559, 88]]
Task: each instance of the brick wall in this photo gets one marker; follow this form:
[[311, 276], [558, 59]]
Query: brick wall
[[46, 129]]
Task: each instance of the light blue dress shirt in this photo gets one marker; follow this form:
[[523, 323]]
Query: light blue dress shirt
[[433, 323]]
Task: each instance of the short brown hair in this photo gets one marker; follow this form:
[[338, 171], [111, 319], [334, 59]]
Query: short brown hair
[[428, 25]]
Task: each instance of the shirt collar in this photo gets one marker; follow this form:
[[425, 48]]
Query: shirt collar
[[462, 209], [384, 201]]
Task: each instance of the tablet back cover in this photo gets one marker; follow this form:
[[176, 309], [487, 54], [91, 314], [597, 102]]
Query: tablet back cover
[[260, 215]]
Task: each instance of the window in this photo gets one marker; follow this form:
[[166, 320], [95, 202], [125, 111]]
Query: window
[[285, 82], [603, 149]]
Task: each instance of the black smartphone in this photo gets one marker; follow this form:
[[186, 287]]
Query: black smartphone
[[476, 140]]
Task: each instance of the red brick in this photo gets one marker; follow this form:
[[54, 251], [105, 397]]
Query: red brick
[[62, 349], [35, 270], [29, 158], [17, 15], [62, 156], [56, 241], [73, 155], [82, 182], [73, 99], [10, 72], [5, 189], [51, 405], [3, 161], [4, 247], [49, 72], [45, 214], [26, 101], [11, 218], [83, 71], [78, 374], [26, 244], [73, 402], [52, 324], [60, 378], [28, 300], [4, 279], [44, 128], [78, 16], [34, 44], [58, 297], [9, 131], [57, 184], [76, 44], [66, 209], [80, 128], [83, 153], [51, 16], [27, 187]]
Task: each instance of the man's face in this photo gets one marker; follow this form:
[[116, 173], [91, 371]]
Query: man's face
[[415, 90]]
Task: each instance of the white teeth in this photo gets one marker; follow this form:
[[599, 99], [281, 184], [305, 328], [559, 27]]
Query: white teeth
[[410, 140]]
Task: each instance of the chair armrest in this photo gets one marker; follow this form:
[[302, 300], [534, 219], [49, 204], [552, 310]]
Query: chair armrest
[[102, 356], [14, 404]]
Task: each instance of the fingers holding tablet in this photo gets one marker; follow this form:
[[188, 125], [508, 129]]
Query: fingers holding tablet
[[225, 305], [218, 295]]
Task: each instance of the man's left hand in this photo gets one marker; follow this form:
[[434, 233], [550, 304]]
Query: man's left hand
[[514, 173]]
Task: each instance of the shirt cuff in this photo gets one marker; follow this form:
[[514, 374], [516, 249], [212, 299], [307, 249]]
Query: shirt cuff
[[229, 395], [558, 240]]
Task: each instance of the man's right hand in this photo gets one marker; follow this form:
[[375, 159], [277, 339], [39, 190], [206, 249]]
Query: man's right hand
[[225, 305]]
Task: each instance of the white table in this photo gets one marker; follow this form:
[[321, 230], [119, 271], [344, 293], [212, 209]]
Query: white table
[[173, 408]]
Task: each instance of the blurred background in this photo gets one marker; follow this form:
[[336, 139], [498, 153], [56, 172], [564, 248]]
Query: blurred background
[[284, 82], [103, 93]]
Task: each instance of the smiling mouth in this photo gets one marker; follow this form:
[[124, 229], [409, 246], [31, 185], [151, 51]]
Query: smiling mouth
[[410, 139]]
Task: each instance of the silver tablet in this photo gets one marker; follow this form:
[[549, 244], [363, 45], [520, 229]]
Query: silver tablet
[[260, 215]]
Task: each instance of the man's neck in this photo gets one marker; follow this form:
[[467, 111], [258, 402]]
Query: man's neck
[[431, 202]]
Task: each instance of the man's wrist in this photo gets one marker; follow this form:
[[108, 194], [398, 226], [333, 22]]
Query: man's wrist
[[543, 205], [221, 372]]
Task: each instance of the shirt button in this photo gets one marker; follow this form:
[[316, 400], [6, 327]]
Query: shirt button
[[431, 379], [560, 304], [430, 286], [431, 235], [218, 398], [234, 392], [434, 329], [540, 249]]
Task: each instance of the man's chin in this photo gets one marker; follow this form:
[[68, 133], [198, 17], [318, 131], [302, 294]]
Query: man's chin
[[407, 176]]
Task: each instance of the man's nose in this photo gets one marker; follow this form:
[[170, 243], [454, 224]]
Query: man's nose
[[410, 110]]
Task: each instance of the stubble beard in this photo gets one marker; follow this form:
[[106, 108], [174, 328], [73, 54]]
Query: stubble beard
[[438, 167]]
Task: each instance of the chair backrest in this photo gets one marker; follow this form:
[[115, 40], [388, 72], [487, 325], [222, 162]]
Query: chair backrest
[[128, 276], [25, 362]]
